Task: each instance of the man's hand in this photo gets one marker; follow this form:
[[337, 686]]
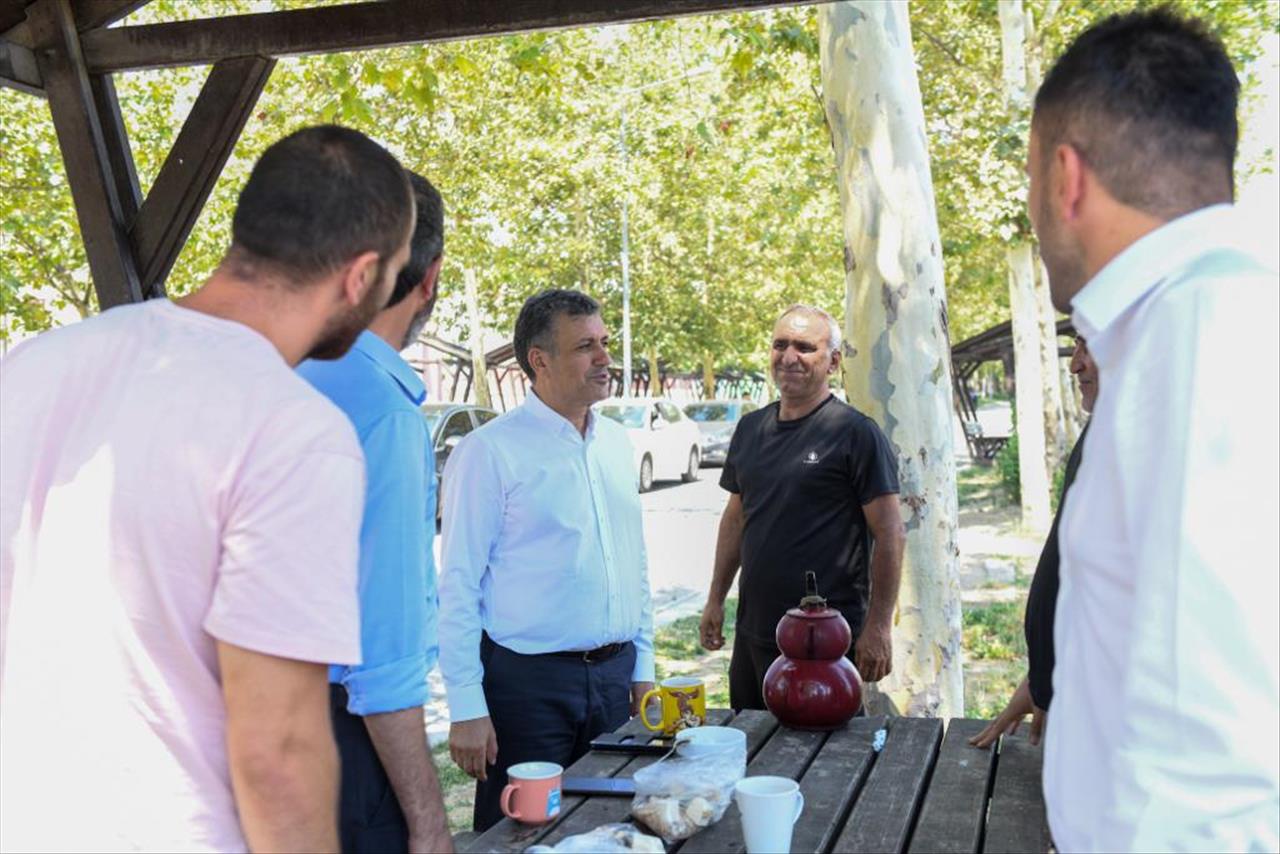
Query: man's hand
[[711, 627], [638, 690], [873, 653], [1008, 721], [473, 745]]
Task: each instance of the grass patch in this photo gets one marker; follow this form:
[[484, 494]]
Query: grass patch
[[994, 632], [458, 789], [679, 639], [988, 685], [980, 488]]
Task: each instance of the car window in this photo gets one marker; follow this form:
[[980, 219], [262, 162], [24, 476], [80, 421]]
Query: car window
[[484, 416], [627, 416], [668, 411], [710, 411], [459, 424]]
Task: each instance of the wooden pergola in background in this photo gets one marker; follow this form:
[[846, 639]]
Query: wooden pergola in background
[[68, 53]]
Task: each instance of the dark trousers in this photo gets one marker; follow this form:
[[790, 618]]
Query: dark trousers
[[747, 667], [369, 817], [547, 708]]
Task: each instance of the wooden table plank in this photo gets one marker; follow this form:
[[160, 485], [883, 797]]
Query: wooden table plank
[[955, 806], [832, 782], [1016, 819], [606, 810], [512, 836], [787, 754], [885, 811]]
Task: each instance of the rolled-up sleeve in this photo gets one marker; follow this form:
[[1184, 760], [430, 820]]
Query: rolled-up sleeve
[[473, 507], [397, 596]]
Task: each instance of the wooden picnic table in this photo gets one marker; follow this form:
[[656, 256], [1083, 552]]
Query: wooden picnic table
[[926, 790]]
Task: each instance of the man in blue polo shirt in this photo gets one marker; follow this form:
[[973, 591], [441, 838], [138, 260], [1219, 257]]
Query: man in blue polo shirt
[[391, 799]]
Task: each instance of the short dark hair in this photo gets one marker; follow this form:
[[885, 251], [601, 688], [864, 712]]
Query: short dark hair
[[428, 237], [1149, 100], [538, 314], [318, 198]]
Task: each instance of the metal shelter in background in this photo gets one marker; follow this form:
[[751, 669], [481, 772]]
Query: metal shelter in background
[[992, 345], [69, 52]]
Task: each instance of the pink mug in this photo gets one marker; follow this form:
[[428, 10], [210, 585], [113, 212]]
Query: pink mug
[[533, 794]]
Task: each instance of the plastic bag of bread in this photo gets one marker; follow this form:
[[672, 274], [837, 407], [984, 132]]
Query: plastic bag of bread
[[609, 839], [680, 795]]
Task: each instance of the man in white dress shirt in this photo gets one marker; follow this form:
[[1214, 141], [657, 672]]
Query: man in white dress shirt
[[546, 629], [1166, 713]]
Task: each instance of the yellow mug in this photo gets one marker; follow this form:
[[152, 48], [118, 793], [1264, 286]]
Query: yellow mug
[[684, 704]]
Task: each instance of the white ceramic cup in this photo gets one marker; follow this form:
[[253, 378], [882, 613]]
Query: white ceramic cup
[[710, 740], [770, 807]]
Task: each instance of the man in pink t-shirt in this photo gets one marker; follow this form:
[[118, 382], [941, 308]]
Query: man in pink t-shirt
[[178, 524]]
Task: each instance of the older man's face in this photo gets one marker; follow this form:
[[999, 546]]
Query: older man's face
[[1085, 370], [801, 356]]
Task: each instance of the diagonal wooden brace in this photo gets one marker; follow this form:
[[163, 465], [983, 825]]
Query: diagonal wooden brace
[[190, 171]]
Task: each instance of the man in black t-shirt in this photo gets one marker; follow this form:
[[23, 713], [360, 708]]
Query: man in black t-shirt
[[813, 486]]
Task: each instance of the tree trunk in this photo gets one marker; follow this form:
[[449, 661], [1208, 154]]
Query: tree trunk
[[708, 375], [1072, 409], [1033, 475], [655, 374], [897, 355], [1024, 302], [479, 372], [1050, 373]]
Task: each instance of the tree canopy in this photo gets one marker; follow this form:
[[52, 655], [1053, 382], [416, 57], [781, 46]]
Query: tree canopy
[[729, 175]]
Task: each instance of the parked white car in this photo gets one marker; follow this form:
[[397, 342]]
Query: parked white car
[[667, 445]]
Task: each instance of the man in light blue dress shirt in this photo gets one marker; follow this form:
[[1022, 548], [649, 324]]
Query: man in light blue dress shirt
[[391, 797], [546, 628]]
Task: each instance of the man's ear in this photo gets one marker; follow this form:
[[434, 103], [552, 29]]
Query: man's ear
[[359, 276], [430, 280], [1069, 181], [537, 360], [835, 362]]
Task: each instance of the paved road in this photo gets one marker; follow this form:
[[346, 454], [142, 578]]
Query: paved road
[[680, 523]]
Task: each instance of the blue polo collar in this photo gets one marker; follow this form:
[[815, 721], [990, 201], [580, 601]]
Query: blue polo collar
[[380, 353]]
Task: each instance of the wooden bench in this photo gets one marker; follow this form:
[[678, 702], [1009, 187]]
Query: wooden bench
[[926, 790], [982, 448]]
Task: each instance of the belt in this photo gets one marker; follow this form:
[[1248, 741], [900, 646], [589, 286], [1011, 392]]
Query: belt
[[591, 656]]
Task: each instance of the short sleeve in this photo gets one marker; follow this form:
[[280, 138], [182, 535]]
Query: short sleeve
[[729, 471], [875, 465], [287, 576]]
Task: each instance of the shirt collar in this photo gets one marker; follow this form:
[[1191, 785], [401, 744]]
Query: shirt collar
[[547, 416], [1137, 270], [380, 353]]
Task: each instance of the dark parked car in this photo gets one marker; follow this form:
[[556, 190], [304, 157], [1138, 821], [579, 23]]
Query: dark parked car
[[716, 420], [448, 423]]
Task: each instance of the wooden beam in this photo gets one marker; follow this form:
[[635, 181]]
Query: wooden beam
[[190, 171], [85, 153], [88, 13], [359, 26], [19, 69], [116, 140], [91, 14]]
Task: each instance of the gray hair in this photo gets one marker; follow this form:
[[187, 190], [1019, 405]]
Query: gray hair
[[834, 337]]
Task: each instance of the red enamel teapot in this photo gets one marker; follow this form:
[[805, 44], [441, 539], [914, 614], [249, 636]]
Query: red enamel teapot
[[812, 685]]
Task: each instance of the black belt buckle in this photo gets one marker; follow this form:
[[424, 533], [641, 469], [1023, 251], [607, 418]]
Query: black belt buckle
[[602, 653]]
